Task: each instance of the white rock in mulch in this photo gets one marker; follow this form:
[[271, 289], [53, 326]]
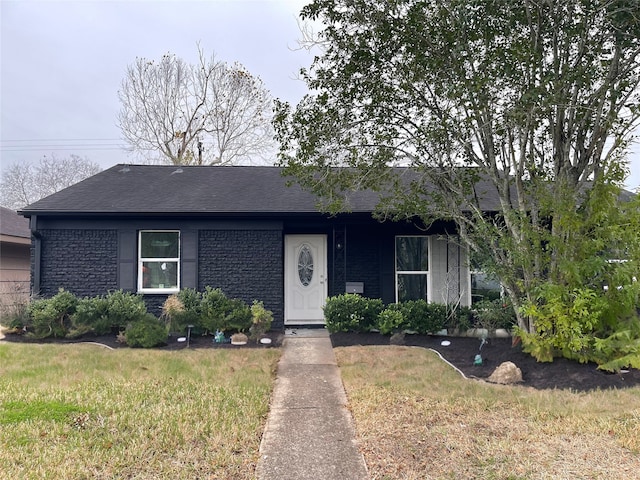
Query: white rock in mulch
[[506, 374]]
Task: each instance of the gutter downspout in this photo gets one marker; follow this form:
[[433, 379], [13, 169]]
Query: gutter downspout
[[37, 254]]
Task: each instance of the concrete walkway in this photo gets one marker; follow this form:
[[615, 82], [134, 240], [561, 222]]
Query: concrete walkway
[[309, 432]]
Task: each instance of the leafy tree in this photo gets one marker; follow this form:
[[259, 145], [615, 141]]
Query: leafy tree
[[207, 113], [25, 183], [533, 103]]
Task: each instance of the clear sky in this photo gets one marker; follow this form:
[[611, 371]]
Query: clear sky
[[62, 63]]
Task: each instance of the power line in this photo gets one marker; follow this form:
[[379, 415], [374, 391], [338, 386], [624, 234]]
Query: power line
[[62, 148], [60, 144], [62, 140]]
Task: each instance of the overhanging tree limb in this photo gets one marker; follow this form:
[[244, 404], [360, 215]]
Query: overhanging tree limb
[[537, 98]]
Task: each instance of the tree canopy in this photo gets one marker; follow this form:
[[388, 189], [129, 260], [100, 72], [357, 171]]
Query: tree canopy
[[539, 98], [25, 183], [209, 113]]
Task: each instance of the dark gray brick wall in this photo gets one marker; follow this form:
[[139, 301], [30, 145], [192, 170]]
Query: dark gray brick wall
[[154, 303], [245, 264], [83, 262], [363, 260]]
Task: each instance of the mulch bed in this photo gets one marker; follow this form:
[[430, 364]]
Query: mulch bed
[[561, 373], [195, 341]]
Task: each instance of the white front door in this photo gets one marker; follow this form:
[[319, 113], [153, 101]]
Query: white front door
[[305, 278]]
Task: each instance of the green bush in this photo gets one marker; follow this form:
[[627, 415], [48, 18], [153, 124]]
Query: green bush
[[192, 315], [390, 320], [238, 316], [125, 308], [51, 317], [585, 324], [146, 333], [184, 309], [106, 314], [214, 306], [220, 313], [92, 314], [462, 320], [423, 317], [351, 313]]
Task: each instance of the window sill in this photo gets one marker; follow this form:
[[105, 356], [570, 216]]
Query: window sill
[[158, 291]]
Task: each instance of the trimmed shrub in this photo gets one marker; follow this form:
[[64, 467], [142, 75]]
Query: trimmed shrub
[[238, 316], [423, 317], [125, 308], [146, 333], [220, 313], [107, 314], [390, 320], [51, 317], [214, 306], [192, 310], [351, 313], [183, 309], [92, 314]]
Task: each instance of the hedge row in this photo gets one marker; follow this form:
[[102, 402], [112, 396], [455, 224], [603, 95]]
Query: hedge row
[[212, 311], [354, 313], [66, 316]]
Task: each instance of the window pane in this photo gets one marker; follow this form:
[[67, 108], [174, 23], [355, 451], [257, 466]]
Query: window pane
[[159, 244], [305, 265], [412, 254], [160, 274], [412, 287], [484, 287]]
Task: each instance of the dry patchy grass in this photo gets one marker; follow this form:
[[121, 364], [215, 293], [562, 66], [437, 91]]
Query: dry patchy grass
[[417, 418], [81, 411]]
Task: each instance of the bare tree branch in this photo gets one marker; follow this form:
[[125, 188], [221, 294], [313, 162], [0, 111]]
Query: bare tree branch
[[24, 183], [203, 114]]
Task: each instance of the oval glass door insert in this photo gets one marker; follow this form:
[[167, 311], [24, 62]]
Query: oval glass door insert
[[305, 265]]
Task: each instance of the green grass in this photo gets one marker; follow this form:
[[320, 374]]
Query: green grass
[[16, 412], [82, 411], [417, 418]]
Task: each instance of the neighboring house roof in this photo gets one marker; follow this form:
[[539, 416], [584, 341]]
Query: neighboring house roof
[[13, 227], [169, 189]]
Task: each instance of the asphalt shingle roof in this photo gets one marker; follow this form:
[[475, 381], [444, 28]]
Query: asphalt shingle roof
[[156, 189], [198, 190], [13, 225]]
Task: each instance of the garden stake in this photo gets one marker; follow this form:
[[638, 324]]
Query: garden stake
[[478, 358], [189, 327]]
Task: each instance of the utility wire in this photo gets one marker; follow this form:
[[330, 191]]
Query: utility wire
[[55, 144]]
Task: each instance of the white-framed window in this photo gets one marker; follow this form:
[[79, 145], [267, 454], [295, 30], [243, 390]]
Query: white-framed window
[[412, 267], [158, 261]]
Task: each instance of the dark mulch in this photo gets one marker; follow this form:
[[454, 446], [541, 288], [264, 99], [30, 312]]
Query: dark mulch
[[195, 341], [561, 373]]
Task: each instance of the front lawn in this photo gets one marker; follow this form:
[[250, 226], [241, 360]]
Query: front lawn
[[83, 411], [417, 418]]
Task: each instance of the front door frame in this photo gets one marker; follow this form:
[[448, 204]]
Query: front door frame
[[293, 315]]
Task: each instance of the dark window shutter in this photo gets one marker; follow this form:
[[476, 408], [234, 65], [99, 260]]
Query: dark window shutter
[[189, 258], [127, 260]]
